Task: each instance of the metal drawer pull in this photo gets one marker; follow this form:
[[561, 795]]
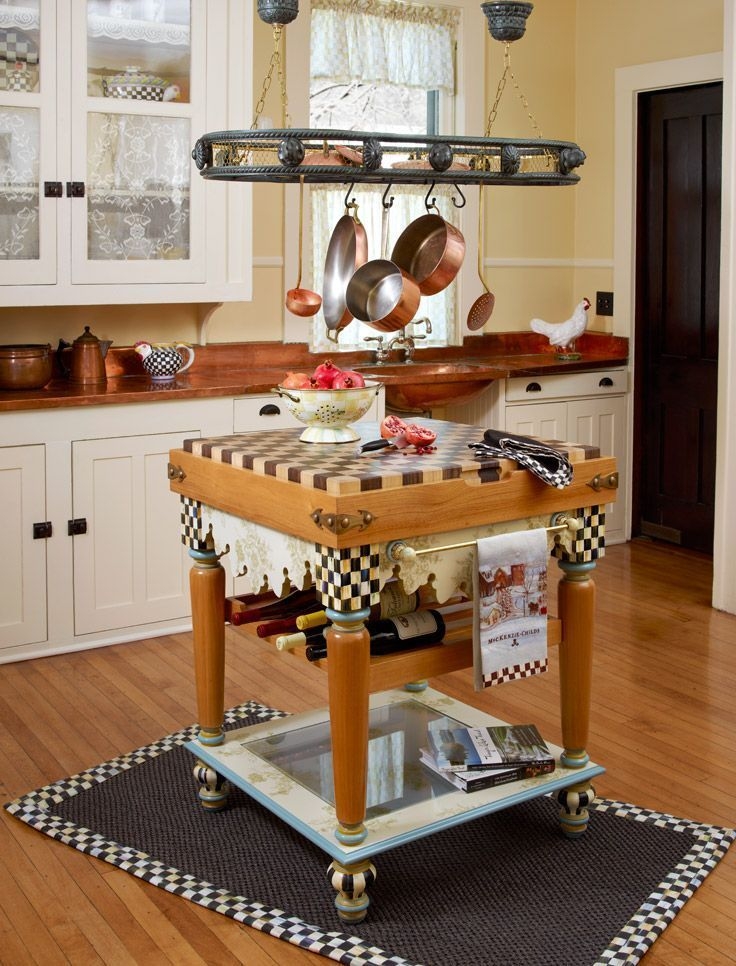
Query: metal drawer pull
[[606, 382], [533, 387], [270, 409]]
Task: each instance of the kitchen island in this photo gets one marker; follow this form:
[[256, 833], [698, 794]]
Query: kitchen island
[[340, 513]]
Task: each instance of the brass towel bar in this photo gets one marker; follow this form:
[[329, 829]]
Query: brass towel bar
[[398, 550]]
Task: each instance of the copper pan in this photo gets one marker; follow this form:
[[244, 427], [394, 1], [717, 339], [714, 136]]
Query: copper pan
[[346, 252], [431, 250]]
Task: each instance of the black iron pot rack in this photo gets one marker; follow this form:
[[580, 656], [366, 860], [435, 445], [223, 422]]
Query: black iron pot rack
[[328, 157]]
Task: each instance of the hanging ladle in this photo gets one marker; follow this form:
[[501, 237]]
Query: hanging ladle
[[302, 301], [481, 309]]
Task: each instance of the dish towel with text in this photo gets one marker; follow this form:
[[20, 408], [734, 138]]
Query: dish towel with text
[[510, 607]]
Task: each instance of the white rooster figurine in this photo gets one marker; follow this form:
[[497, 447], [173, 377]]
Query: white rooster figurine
[[564, 334]]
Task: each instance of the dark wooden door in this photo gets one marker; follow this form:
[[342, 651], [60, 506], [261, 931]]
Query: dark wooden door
[[677, 290]]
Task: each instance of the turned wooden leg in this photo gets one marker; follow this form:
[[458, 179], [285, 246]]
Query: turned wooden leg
[[348, 646], [351, 881], [576, 602], [207, 589]]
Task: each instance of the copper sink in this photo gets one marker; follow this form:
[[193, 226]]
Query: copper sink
[[423, 386]]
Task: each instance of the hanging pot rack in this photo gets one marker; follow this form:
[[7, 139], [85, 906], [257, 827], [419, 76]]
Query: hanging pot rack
[[289, 155]]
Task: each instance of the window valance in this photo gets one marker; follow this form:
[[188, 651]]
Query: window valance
[[384, 43]]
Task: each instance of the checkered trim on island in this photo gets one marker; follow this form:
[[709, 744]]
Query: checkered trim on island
[[348, 579], [193, 535], [589, 542]]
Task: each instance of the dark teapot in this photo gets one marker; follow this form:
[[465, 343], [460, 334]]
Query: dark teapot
[[87, 362]]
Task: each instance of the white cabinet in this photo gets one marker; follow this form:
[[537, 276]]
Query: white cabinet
[[129, 568], [113, 567], [23, 584], [100, 201], [580, 407]]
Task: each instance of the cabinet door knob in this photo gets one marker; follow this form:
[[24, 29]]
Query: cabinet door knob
[[533, 387], [606, 382], [270, 409]]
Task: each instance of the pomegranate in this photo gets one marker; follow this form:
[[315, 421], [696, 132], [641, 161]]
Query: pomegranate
[[348, 379], [392, 426], [420, 436], [324, 375], [296, 380]]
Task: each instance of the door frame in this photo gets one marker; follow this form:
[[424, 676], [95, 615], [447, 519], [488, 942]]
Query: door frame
[[629, 83]]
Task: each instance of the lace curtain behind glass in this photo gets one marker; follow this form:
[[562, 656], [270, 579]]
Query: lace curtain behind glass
[[372, 64]]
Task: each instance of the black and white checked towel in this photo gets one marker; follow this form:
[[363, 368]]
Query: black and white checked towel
[[551, 466]]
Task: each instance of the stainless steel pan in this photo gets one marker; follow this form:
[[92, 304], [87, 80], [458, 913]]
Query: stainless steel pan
[[346, 252], [380, 293]]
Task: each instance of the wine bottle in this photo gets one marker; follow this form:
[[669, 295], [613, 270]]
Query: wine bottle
[[291, 605], [285, 642], [402, 633], [393, 601]]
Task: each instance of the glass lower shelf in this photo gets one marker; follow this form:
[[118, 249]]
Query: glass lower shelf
[[286, 764]]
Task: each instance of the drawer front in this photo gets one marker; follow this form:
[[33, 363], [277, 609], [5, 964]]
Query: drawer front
[[601, 382], [254, 413]]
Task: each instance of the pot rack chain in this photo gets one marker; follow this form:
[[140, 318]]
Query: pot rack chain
[[277, 63], [508, 72]]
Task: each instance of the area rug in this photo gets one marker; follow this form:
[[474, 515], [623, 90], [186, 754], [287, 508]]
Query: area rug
[[505, 889]]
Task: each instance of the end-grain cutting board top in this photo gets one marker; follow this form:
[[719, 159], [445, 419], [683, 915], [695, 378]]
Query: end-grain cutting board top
[[341, 469]]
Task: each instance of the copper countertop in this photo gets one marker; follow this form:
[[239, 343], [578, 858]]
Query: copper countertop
[[243, 368]]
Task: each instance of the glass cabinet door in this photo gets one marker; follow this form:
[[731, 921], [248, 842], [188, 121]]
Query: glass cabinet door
[[139, 70], [27, 224]]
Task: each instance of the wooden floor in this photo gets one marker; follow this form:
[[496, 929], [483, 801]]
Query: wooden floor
[[663, 724]]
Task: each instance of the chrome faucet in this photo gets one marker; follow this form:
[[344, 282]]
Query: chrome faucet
[[381, 350], [406, 342]]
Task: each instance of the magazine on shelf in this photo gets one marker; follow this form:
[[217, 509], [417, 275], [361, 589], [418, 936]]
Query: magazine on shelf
[[473, 781], [456, 749]]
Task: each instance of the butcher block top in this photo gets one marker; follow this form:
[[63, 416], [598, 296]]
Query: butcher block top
[[333, 493], [341, 468]]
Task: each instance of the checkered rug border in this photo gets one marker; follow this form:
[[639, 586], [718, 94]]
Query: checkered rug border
[[709, 845]]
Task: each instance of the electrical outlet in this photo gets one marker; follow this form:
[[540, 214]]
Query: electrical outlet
[[604, 303]]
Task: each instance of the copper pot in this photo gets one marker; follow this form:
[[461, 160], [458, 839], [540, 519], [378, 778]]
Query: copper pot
[[431, 250], [87, 355], [25, 366]]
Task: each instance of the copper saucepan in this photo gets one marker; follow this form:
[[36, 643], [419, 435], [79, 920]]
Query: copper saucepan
[[431, 250], [346, 252], [382, 294]]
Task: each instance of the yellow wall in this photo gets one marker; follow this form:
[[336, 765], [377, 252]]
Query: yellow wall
[[612, 34], [565, 66]]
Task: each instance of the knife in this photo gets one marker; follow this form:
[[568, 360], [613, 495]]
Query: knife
[[375, 444]]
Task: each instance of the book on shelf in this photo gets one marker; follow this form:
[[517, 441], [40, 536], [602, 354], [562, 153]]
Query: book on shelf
[[457, 748], [474, 781]]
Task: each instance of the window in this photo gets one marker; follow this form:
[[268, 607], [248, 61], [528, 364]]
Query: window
[[388, 67]]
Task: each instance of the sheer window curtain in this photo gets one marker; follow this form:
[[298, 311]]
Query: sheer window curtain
[[389, 44]]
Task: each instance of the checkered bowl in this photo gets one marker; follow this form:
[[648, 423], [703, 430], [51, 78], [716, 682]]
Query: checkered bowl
[[328, 413]]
